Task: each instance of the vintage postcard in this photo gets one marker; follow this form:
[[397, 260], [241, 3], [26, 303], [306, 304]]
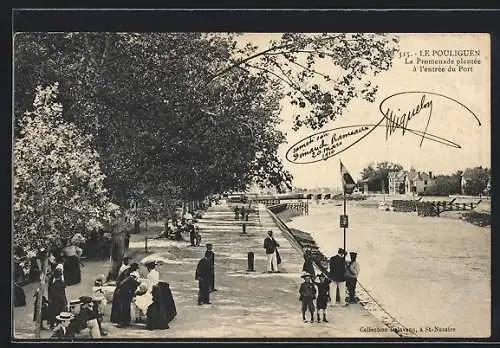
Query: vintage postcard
[[251, 185]]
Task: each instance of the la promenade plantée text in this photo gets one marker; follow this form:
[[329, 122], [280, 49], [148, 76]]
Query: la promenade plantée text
[[442, 60]]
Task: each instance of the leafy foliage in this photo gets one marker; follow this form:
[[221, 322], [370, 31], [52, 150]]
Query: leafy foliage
[[321, 72], [162, 133], [476, 180], [58, 183], [445, 185]]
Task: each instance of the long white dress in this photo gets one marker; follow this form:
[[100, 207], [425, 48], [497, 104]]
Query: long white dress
[[143, 301]]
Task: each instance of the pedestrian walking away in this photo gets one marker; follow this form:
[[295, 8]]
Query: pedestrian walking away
[[323, 296], [203, 275], [352, 273], [337, 273], [271, 245], [236, 213], [307, 294]]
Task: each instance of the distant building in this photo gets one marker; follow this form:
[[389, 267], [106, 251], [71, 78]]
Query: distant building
[[409, 182], [397, 182]]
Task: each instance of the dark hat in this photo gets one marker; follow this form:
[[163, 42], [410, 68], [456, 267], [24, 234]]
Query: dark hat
[[341, 251], [209, 245], [85, 299], [134, 266], [306, 275], [126, 258], [74, 302], [352, 253], [65, 316], [151, 263]]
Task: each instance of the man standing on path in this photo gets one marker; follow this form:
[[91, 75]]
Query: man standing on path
[[209, 254], [270, 244], [337, 273], [192, 232], [352, 272], [203, 276]]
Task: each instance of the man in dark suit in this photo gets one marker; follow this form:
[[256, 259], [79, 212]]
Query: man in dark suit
[[209, 254], [271, 245], [337, 273]]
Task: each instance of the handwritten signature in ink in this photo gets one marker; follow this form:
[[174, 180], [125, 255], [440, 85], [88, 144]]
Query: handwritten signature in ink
[[397, 110]]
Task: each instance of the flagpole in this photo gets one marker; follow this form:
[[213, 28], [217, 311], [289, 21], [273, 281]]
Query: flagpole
[[344, 214]]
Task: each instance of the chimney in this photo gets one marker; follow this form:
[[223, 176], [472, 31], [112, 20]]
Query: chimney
[[430, 175]]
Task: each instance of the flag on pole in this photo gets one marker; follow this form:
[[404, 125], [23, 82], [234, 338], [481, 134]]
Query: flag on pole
[[348, 183]]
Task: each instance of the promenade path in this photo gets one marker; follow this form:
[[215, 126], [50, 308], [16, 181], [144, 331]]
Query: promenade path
[[246, 305]]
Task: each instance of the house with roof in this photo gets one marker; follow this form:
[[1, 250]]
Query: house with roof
[[409, 182], [397, 182]]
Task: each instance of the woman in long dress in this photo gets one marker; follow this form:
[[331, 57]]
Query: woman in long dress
[[152, 279], [72, 254], [57, 297], [122, 298], [163, 309]]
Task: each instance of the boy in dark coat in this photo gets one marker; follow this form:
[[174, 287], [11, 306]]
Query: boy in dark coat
[[323, 295], [203, 276], [307, 293]]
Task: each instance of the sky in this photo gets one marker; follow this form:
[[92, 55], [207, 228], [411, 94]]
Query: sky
[[449, 120]]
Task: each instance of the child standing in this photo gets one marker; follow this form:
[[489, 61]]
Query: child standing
[[307, 295], [323, 295]]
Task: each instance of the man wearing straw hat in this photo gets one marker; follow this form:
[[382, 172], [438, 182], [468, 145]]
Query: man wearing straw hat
[[307, 293], [89, 316], [62, 329]]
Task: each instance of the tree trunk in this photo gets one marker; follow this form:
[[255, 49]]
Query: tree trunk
[[183, 208], [38, 300]]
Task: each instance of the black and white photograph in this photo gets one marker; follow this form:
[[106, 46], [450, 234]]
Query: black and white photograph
[[242, 185]]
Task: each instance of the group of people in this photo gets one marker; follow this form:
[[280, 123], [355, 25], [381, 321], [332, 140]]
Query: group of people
[[340, 274], [174, 229], [244, 213], [151, 298], [81, 317]]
